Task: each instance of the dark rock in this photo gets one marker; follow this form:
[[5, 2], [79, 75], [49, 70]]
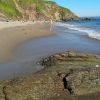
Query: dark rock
[[87, 19]]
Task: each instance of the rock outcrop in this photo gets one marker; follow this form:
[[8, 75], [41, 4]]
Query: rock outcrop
[[35, 10], [87, 19], [66, 76], [84, 80], [2, 17]]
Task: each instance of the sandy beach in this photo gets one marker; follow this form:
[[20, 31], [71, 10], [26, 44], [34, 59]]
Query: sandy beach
[[20, 64], [14, 33], [23, 45]]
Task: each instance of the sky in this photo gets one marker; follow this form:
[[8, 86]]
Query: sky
[[82, 7]]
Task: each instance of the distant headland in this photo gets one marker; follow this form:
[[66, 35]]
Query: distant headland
[[34, 10]]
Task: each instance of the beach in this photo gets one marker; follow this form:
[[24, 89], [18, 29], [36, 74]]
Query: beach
[[34, 60], [22, 46], [14, 33], [49, 50]]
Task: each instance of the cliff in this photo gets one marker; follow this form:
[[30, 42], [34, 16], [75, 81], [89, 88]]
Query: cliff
[[34, 10]]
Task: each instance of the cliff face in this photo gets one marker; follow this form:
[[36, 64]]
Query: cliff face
[[35, 10]]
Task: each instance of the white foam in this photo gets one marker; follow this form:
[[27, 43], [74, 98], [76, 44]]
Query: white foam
[[90, 32]]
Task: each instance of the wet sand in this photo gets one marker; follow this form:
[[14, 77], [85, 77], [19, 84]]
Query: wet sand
[[41, 47], [24, 55], [10, 37]]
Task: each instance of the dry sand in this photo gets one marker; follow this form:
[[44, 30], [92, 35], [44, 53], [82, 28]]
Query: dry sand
[[14, 33], [4, 24]]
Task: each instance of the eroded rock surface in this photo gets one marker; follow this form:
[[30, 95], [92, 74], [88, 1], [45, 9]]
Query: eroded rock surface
[[81, 71]]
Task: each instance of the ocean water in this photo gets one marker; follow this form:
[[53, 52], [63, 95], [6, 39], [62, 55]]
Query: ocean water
[[87, 28]]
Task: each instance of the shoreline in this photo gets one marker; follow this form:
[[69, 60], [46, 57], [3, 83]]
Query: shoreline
[[48, 83], [10, 35], [22, 57]]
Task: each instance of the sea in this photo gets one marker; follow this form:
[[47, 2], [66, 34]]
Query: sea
[[90, 28]]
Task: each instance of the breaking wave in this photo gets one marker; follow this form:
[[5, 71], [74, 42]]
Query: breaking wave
[[87, 31]]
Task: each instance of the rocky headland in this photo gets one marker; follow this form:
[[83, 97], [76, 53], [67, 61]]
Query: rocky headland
[[34, 10], [66, 76], [87, 19]]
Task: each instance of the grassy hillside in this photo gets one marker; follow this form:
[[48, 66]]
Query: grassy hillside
[[7, 7], [34, 10]]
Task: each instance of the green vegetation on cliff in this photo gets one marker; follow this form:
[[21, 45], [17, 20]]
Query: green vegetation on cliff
[[8, 8], [35, 10]]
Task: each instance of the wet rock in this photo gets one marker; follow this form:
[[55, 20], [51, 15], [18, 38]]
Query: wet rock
[[50, 61], [85, 81], [81, 76], [87, 19], [2, 95]]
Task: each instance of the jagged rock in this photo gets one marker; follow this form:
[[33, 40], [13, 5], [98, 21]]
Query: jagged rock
[[83, 77], [85, 80], [87, 19], [2, 96]]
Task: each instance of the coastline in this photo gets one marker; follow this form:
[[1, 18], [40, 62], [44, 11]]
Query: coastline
[[48, 84], [14, 33], [47, 52], [23, 56]]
